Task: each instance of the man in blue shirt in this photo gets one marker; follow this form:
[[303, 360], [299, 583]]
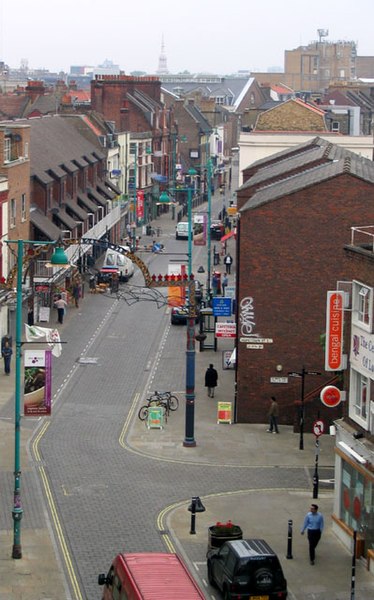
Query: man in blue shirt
[[314, 524]]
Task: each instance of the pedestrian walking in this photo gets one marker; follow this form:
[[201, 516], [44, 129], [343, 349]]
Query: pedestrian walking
[[211, 380], [225, 282], [228, 260], [60, 304], [76, 293], [314, 524], [215, 282], [273, 415], [7, 355]]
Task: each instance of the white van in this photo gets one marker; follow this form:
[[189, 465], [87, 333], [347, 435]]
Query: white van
[[181, 230], [117, 260]]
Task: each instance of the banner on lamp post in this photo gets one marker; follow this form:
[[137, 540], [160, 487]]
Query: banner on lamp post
[[140, 205], [200, 230], [37, 397], [334, 331]]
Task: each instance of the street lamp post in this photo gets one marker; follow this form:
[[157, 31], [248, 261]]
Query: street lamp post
[[209, 239], [189, 438], [17, 511], [302, 414], [135, 153]]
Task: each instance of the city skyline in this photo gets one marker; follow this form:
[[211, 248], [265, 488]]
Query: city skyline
[[206, 37]]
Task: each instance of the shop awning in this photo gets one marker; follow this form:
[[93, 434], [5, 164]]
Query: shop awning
[[227, 236], [44, 225]]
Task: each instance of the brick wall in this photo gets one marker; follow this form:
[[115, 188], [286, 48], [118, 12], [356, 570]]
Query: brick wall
[[291, 116], [291, 254]]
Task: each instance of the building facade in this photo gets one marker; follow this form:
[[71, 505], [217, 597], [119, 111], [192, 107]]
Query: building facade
[[354, 449], [295, 209]]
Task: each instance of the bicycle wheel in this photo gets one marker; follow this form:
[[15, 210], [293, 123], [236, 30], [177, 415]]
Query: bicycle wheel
[[143, 413], [173, 403]]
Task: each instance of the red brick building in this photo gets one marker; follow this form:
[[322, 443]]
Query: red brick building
[[296, 210]]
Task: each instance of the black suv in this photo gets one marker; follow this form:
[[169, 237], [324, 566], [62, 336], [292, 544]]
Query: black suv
[[247, 569]]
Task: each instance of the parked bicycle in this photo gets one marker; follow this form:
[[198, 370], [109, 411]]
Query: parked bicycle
[[166, 400]]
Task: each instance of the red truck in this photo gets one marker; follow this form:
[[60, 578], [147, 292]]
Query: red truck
[[149, 576]]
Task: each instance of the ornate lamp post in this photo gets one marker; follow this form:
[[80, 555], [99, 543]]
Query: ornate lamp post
[[60, 260], [189, 439]]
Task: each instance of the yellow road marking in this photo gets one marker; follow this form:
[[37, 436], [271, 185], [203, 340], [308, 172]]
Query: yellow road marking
[[55, 519]]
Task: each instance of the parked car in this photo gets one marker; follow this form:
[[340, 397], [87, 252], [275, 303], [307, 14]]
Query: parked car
[[179, 315], [146, 576], [217, 229], [246, 569]]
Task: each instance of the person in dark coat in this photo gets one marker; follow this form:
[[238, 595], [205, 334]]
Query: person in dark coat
[[7, 355], [211, 380]]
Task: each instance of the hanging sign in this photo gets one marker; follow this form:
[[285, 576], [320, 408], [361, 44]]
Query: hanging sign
[[140, 204], [334, 331], [331, 396], [37, 383]]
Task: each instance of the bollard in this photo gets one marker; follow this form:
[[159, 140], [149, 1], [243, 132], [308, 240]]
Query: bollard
[[195, 506], [289, 540]]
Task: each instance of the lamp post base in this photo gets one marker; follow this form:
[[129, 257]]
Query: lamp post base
[[17, 551], [189, 443]]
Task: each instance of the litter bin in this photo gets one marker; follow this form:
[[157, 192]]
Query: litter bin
[[149, 230]]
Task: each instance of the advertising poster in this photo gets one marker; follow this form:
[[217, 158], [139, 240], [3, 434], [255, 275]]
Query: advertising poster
[[37, 383], [224, 414], [200, 230]]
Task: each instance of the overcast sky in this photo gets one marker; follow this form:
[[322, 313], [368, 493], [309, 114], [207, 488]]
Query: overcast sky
[[214, 36]]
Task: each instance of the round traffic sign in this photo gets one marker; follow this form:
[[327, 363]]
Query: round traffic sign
[[318, 427], [330, 396]]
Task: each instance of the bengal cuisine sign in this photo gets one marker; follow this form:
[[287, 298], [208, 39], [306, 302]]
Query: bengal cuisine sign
[[334, 331]]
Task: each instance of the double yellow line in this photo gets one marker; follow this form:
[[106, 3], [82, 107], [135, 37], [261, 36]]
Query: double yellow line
[[55, 519]]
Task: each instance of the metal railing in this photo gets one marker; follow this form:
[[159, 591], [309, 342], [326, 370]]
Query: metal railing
[[363, 236]]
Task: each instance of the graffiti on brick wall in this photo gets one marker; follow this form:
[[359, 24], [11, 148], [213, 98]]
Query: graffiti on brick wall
[[247, 316]]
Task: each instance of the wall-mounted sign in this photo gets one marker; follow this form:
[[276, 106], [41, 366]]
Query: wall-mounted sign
[[278, 379], [334, 331], [362, 351], [225, 330], [222, 307], [256, 340]]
